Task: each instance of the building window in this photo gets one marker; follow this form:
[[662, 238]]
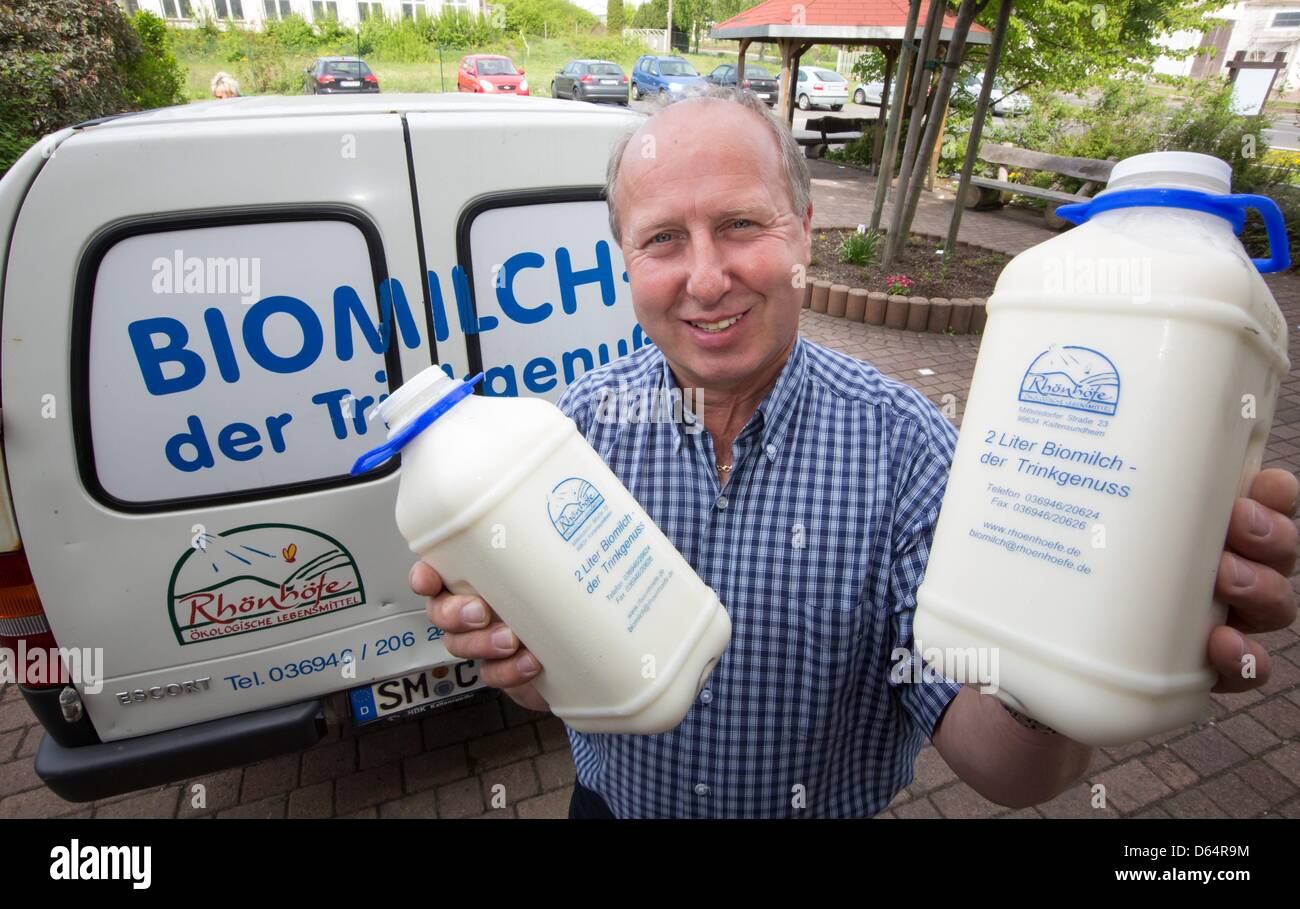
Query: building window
[[130, 7], [177, 9], [1286, 20], [370, 10], [413, 10], [277, 10], [229, 9], [319, 9]]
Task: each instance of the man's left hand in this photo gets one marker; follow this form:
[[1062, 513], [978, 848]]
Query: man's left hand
[[1253, 578]]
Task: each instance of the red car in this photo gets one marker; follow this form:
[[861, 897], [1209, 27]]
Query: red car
[[491, 74]]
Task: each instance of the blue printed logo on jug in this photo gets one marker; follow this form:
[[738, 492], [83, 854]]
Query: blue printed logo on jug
[[1078, 378], [570, 503]]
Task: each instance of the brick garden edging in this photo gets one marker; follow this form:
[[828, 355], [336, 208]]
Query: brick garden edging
[[932, 314]]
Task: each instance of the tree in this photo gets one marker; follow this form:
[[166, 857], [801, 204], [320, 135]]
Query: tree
[[1071, 45], [614, 17], [65, 61]]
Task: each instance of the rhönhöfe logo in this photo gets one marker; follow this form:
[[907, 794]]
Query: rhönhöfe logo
[[257, 577], [1078, 378], [570, 503]]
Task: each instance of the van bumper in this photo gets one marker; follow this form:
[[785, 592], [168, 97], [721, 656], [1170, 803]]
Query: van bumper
[[89, 772]]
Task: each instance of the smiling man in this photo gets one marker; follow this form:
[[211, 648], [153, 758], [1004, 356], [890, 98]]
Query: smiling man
[[808, 503]]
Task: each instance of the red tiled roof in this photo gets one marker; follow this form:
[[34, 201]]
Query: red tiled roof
[[866, 13]]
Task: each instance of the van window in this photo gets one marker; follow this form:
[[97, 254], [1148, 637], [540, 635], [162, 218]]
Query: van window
[[223, 359], [550, 290]]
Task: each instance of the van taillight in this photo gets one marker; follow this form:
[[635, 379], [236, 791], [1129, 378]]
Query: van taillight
[[21, 615]]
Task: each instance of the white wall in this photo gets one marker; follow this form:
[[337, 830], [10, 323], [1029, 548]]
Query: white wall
[[1252, 31], [254, 12]]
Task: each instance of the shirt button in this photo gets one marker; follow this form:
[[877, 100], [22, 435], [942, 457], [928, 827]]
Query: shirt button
[[722, 501], [771, 451], [706, 696], [702, 789]]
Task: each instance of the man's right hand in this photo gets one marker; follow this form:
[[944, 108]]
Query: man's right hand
[[472, 631]]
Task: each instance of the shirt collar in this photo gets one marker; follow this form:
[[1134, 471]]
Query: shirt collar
[[776, 409]]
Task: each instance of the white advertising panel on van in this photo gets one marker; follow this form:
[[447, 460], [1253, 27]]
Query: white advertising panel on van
[[550, 290], [225, 358]]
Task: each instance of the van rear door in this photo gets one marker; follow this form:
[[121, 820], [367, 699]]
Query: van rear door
[[526, 282], [191, 336]]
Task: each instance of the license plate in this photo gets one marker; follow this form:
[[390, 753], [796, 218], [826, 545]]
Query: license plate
[[765, 95], [414, 693], [609, 82], [350, 83]]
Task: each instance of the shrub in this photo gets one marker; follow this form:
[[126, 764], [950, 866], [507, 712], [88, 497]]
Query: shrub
[[614, 16], [862, 247], [400, 41], [331, 32], [607, 48], [154, 78], [1132, 117], [65, 61], [457, 28], [550, 17], [292, 32], [856, 152]]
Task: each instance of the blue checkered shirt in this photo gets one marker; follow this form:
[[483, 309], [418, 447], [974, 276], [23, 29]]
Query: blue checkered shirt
[[816, 546]]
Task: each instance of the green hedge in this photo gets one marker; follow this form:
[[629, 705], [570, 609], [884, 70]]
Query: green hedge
[[65, 61]]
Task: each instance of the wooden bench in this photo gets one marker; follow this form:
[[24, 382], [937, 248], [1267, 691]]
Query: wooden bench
[[985, 192], [820, 133]]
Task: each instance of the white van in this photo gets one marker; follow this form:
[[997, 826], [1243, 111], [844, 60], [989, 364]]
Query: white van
[[201, 304]]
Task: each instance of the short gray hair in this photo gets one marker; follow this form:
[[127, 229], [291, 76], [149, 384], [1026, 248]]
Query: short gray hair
[[793, 164]]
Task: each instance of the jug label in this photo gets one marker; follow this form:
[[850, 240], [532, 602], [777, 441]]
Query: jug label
[[617, 561], [1051, 476], [1078, 378]]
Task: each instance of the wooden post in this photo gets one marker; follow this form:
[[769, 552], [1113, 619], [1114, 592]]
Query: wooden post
[[740, 61], [965, 17], [906, 53], [977, 124], [933, 169], [920, 76], [878, 139], [783, 95], [798, 50]]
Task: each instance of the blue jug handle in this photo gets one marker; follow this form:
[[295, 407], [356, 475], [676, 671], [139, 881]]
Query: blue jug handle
[[376, 456], [1232, 208]]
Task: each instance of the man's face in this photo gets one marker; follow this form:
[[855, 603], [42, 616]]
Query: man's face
[[711, 244]]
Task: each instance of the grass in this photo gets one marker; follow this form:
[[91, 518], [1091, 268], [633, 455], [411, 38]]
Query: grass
[[541, 59]]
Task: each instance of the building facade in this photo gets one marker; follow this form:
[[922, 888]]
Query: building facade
[[252, 13], [1261, 28]]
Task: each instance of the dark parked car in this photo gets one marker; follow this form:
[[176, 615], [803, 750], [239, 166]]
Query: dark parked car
[[591, 80], [757, 80], [339, 75]]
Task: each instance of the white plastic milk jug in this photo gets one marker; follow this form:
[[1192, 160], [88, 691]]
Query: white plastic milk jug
[[1122, 398], [507, 500]]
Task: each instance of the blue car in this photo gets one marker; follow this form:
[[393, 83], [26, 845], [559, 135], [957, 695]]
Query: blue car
[[673, 76]]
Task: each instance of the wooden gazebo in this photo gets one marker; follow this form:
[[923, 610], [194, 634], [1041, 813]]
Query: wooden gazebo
[[922, 39], [794, 26]]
